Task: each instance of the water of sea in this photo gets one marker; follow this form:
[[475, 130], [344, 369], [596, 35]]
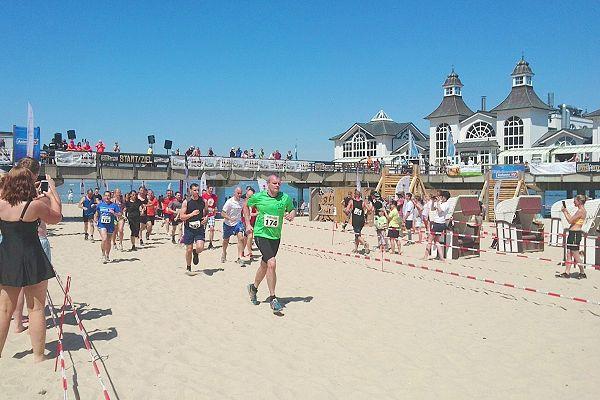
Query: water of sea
[[159, 187]]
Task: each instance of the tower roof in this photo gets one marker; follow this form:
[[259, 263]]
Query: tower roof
[[522, 97], [381, 116], [451, 106], [522, 68], [452, 80]]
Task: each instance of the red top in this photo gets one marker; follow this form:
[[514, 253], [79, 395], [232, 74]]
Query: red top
[[151, 207], [211, 203], [165, 205], [100, 147]]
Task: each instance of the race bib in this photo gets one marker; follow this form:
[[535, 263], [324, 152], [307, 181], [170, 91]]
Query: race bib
[[271, 221], [105, 219], [195, 224], [357, 211]]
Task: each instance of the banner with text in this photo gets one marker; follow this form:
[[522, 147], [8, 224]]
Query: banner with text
[[20, 142], [75, 159], [557, 168], [240, 164], [509, 171], [588, 167]]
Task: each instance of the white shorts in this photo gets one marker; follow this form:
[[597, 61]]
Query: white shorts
[[211, 222]]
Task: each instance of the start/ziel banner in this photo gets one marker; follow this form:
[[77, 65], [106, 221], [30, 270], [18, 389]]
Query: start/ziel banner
[[245, 164]]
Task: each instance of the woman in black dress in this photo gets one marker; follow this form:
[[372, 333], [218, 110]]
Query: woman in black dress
[[133, 208], [23, 263]]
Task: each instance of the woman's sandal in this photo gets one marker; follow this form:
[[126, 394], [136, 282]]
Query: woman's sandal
[[563, 275]]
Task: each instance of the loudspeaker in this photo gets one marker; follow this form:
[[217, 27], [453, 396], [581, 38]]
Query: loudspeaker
[[168, 144], [151, 139], [58, 138], [71, 134]]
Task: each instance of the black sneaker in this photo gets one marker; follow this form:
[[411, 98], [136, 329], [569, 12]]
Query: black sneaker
[[141, 241], [173, 240], [252, 291], [133, 248], [86, 237], [195, 257], [189, 268]]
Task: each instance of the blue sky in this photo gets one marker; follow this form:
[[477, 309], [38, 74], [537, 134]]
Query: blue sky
[[268, 74]]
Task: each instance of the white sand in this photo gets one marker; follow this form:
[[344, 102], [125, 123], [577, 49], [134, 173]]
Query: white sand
[[349, 331]]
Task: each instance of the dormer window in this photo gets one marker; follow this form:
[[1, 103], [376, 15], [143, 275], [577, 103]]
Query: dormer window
[[448, 92], [518, 80]]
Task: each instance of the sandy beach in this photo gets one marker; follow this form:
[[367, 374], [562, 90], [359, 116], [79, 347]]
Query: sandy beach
[[349, 330]]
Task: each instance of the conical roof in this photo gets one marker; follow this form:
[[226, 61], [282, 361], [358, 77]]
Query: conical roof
[[522, 68], [381, 116], [452, 80]]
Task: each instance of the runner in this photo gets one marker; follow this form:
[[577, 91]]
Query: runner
[[211, 200], [151, 208], [272, 206], [356, 208], [133, 209], [438, 214], [232, 225], [347, 199], [250, 234], [167, 212], [193, 213], [175, 207], [143, 197], [88, 205], [120, 222], [108, 212]]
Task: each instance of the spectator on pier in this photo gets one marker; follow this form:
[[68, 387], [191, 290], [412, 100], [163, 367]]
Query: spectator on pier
[[289, 155], [277, 155], [251, 154], [100, 147], [238, 153], [117, 148], [64, 145], [369, 162], [78, 147], [196, 152], [261, 153], [150, 149], [71, 146], [232, 152], [211, 153], [177, 152], [245, 154], [86, 146], [189, 151]]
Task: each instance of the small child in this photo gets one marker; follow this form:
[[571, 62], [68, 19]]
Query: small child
[[381, 225]]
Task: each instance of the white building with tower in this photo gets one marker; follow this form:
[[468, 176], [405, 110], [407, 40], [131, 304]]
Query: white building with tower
[[521, 128]]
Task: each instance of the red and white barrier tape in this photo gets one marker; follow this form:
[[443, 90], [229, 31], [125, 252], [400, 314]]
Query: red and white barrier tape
[[60, 348], [456, 274]]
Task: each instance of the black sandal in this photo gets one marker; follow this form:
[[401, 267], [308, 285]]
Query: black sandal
[[563, 275]]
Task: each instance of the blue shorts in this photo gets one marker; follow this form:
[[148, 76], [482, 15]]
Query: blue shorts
[[229, 231], [110, 228], [191, 236]]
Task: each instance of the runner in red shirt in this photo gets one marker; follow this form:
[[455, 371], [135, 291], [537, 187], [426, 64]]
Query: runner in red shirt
[[151, 208], [211, 201], [168, 213]]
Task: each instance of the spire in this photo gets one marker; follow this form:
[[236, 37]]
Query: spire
[[452, 85], [522, 74], [381, 116]]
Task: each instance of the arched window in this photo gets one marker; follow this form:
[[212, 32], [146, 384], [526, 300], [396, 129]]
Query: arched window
[[480, 130], [566, 141], [359, 146], [441, 136], [513, 138]]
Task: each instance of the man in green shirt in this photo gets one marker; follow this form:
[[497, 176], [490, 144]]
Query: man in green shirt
[[273, 206]]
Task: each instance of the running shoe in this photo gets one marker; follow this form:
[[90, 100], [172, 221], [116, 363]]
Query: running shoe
[[275, 305], [141, 242], [223, 258], [173, 240], [189, 268], [133, 248], [241, 262], [252, 291], [86, 237], [195, 257]]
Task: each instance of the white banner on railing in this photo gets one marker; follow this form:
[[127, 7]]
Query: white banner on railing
[[239, 164], [558, 168], [6, 157], [75, 159]]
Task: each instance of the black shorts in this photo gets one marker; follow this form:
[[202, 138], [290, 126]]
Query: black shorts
[[143, 219], [357, 229], [393, 233], [267, 247], [88, 218], [437, 229], [408, 224], [150, 218], [134, 225], [573, 240]]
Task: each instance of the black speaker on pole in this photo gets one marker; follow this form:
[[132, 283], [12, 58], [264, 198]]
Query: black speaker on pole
[[58, 138], [71, 134], [151, 139], [168, 144]]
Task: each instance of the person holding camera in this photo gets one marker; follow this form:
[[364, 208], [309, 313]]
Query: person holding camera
[[23, 262], [576, 222]]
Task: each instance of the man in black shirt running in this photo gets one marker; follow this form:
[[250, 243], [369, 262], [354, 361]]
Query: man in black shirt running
[[193, 213]]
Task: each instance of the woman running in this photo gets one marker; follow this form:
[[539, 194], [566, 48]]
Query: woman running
[[120, 222], [133, 209]]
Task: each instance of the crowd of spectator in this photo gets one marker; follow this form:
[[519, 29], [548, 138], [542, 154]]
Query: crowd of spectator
[[238, 153]]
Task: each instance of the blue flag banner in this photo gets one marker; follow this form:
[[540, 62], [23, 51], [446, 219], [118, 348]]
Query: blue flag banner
[[20, 142], [507, 171]]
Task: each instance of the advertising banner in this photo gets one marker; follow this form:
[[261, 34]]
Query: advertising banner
[[75, 159], [464, 170], [587, 167], [6, 148], [239, 164], [509, 171], [20, 142], [558, 168], [116, 159]]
